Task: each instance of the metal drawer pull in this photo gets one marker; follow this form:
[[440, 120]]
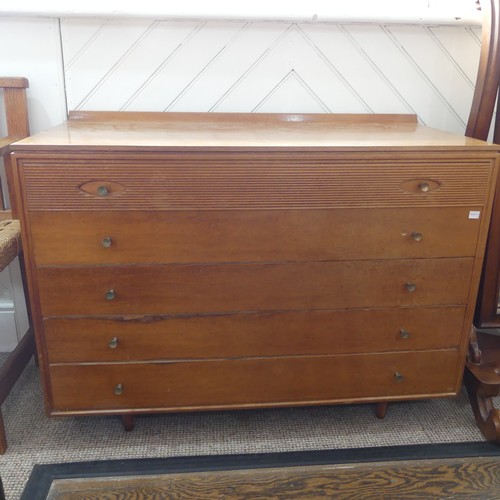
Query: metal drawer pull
[[424, 187], [417, 236], [102, 191], [411, 287], [106, 242], [113, 343], [119, 389], [110, 295], [404, 334], [398, 377]]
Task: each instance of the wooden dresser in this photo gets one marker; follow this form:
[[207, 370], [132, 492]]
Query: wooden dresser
[[183, 261]]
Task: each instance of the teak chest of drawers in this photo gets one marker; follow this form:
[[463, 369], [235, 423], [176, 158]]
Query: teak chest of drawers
[[181, 261]]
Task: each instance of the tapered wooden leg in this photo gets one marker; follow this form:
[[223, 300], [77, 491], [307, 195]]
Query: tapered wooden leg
[[480, 396], [3, 438], [128, 422], [381, 409]]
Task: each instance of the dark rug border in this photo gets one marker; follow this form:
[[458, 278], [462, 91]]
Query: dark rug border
[[41, 477]]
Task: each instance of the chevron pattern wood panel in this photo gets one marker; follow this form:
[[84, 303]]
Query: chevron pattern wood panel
[[271, 67]]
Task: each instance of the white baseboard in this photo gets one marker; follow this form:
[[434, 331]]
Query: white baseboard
[[8, 331]]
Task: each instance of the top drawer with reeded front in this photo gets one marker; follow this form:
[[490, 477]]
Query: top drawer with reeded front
[[234, 181]]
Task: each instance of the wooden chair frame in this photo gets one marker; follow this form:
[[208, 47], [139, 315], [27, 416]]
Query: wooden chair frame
[[478, 126], [482, 372], [16, 111]]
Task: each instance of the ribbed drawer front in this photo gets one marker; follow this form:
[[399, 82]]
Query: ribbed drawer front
[[71, 340], [247, 287], [253, 382], [251, 181], [79, 238]]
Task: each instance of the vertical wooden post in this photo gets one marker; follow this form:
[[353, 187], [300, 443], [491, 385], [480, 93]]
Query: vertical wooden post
[[16, 105], [488, 75], [16, 112]]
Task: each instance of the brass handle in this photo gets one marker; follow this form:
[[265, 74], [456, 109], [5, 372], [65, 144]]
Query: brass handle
[[118, 389], [417, 236], [411, 287], [110, 295], [424, 187], [106, 241], [404, 334], [398, 377], [113, 343], [102, 191]]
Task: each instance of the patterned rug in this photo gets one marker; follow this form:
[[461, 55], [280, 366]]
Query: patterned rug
[[470, 470]]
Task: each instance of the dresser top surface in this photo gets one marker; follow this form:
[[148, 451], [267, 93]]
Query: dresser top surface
[[244, 131]]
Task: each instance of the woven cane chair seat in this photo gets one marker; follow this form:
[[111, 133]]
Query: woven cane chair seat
[[10, 241]]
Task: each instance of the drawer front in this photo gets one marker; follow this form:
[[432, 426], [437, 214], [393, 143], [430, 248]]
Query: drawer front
[[79, 238], [253, 382], [255, 180], [72, 340], [175, 289]]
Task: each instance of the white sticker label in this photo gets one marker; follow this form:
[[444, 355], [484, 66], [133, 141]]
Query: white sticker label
[[474, 214]]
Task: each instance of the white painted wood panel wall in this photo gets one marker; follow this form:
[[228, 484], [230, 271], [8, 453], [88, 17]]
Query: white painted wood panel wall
[[209, 65], [272, 67]]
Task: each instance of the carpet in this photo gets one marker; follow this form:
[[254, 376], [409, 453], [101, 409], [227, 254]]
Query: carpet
[[458, 470]]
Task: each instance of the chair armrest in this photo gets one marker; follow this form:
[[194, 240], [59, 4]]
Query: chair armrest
[[5, 142]]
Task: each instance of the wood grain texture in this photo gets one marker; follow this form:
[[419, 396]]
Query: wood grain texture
[[465, 478], [256, 218], [252, 120], [14, 82], [16, 107], [212, 288], [251, 235], [252, 181], [252, 334], [271, 381], [226, 131], [5, 142], [488, 297]]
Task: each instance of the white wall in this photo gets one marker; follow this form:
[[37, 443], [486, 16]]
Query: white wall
[[266, 64], [30, 48], [340, 11], [143, 64], [271, 67]]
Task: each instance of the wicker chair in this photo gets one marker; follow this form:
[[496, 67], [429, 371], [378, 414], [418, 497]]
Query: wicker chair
[[14, 91]]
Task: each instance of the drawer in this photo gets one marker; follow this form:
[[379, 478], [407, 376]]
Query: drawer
[[71, 340], [253, 382], [122, 237], [256, 180], [176, 289]]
